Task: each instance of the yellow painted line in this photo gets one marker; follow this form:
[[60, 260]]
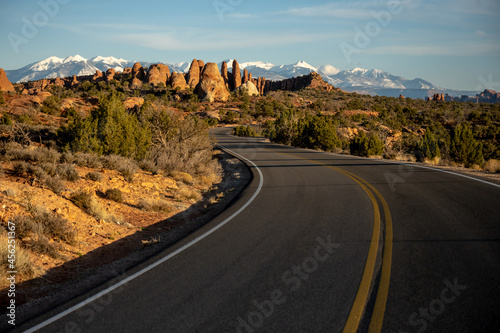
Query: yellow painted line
[[361, 298]]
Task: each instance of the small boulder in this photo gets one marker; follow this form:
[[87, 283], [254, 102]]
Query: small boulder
[[249, 87]]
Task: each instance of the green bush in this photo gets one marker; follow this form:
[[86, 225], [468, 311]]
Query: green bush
[[464, 148], [317, 132], [6, 119], [109, 129], [428, 147], [52, 106], [244, 131], [363, 145]]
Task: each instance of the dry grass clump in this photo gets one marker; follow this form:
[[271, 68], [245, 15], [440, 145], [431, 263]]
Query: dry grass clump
[[24, 265], [40, 231], [186, 194], [492, 166], [114, 194], [67, 172], [155, 205], [125, 166], [184, 177], [55, 185], [87, 202], [94, 176]]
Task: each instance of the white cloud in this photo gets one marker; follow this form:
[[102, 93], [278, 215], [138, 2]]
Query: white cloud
[[329, 10], [328, 69], [480, 33]]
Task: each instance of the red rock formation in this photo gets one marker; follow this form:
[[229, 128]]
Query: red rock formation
[[110, 74], [201, 64], [401, 97], [74, 81], [311, 81], [224, 73], [133, 103], [127, 70], [59, 82], [236, 76], [5, 84], [137, 76], [249, 76], [212, 86], [158, 74], [193, 75], [138, 71], [245, 76], [178, 80], [97, 76], [438, 97]]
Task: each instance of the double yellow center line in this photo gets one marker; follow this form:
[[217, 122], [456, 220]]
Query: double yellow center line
[[363, 293]]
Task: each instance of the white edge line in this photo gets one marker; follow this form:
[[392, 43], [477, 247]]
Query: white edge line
[[159, 262]]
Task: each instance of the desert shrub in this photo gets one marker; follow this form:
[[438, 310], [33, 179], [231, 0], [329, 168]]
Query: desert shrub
[[114, 195], [187, 194], [52, 106], [181, 144], [20, 168], [2, 100], [88, 160], [128, 171], [68, 172], [53, 225], [94, 176], [55, 185], [155, 205], [40, 244], [88, 203], [49, 168], [36, 172], [25, 225], [184, 177], [492, 165], [24, 264], [149, 166]]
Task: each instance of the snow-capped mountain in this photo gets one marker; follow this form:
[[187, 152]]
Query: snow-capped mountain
[[372, 81], [63, 67], [359, 77]]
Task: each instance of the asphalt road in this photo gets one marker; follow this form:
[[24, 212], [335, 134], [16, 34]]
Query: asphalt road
[[318, 243]]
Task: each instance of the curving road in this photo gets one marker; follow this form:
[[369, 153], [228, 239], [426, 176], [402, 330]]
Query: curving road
[[317, 243]]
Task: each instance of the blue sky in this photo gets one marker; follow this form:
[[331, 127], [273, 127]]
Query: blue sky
[[451, 43]]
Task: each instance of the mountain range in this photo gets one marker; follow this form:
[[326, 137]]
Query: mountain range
[[373, 81]]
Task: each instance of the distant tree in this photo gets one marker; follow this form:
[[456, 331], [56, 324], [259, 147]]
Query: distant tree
[[428, 146], [464, 148], [317, 132], [109, 129], [363, 145]]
